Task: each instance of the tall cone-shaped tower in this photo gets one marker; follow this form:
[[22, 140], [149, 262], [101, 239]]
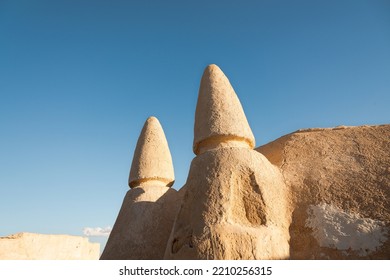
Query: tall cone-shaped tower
[[219, 117], [152, 161], [143, 225], [234, 205]]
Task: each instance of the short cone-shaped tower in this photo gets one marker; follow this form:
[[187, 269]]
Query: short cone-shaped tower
[[152, 161], [219, 117], [145, 220]]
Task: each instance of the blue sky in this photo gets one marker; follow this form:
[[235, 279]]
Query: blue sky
[[79, 78]]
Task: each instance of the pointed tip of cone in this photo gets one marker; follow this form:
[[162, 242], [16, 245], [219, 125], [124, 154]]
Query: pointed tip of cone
[[152, 119], [212, 67], [219, 115], [212, 71], [152, 159]]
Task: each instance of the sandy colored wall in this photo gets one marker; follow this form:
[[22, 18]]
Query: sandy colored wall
[[339, 184], [32, 246]]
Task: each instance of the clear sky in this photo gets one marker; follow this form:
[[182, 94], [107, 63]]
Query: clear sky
[[78, 79]]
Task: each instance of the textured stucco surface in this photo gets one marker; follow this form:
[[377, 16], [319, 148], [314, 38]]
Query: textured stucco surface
[[234, 207], [345, 167]]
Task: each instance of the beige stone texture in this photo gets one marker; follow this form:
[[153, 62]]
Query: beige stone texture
[[235, 203], [152, 159], [234, 207], [219, 117], [339, 184], [34, 246], [143, 225], [145, 220]]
